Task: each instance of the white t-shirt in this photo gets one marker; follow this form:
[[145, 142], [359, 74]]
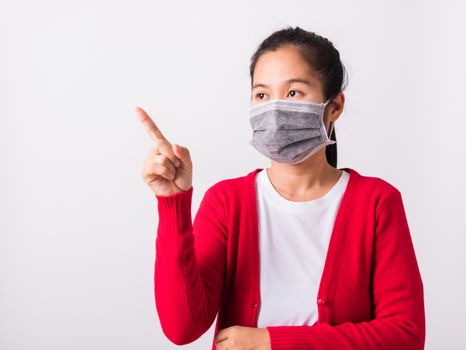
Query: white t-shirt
[[293, 242]]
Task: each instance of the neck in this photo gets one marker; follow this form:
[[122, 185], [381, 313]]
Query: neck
[[305, 180]]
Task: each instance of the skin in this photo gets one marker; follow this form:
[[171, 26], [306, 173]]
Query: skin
[[313, 177], [168, 167]]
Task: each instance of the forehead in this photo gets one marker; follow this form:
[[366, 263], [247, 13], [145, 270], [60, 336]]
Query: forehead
[[276, 67]]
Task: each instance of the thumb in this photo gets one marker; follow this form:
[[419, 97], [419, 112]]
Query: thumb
[[181, 152]]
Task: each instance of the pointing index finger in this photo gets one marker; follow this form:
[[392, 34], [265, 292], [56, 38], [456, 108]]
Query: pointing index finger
[[149, 124]]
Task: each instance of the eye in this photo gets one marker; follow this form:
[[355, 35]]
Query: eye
[[258, 94], [295, 91]]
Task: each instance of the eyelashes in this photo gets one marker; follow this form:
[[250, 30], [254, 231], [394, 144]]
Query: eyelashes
[[263, 93]]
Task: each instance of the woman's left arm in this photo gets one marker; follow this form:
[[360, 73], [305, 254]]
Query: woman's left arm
[[398, 297]]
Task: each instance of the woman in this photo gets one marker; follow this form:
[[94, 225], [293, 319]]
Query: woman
[[301, 255]]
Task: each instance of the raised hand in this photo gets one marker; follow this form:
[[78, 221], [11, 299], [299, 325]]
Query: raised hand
[[168, 168]]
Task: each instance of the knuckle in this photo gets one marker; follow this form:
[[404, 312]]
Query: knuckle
[[158, 144], [157, 158], [155, 149], [145, 174], [168, 162], [163, 160], [152, 166], [155, 168]]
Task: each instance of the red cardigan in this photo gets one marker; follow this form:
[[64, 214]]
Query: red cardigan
[[371, 295]]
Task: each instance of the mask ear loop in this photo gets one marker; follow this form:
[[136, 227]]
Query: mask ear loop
[[331, 130], [331, 126]]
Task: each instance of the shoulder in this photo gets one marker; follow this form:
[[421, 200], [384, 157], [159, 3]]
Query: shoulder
[[235, 188], [377, 184], [376, 189]]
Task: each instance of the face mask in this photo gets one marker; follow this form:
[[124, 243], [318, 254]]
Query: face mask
[[288, 131]]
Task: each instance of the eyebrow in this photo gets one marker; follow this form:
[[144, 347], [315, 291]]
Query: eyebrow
[[289, 81]]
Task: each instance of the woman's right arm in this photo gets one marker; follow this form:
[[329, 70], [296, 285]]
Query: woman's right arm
[[189, 265], [190, 256]]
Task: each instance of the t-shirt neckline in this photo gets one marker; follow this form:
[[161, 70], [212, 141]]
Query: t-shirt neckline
[[324, 201]]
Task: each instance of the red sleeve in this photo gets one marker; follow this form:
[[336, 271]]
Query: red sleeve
[[189, 265], [398, 297]]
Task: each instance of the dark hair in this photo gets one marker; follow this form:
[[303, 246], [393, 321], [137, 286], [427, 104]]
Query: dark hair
[[322, 57]]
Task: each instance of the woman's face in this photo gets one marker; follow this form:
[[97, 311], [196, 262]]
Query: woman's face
[[283, 74]]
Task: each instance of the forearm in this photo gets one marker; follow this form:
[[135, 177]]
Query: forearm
[[185, 306], [380, 334]]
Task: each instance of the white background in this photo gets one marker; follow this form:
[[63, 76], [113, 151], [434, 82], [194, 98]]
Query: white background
[[77, 222]]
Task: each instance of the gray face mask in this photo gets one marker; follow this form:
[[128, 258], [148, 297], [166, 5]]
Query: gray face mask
[[289, 131]]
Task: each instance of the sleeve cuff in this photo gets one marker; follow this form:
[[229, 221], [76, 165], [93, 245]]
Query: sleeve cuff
[[175, 211], [290, 337]]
